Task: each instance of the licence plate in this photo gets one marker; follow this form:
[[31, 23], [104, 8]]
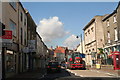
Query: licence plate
[[53, 68]]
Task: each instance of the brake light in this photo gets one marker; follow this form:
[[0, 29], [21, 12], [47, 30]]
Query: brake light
[[48, 66], [58, 66]]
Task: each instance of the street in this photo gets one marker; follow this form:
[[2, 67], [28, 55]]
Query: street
[[59, 41], [67, 74]]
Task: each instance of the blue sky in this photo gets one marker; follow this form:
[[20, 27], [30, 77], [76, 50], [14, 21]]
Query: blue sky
[[73, 15]]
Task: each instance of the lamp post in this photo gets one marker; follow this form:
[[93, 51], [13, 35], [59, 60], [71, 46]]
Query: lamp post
[[81, 42]]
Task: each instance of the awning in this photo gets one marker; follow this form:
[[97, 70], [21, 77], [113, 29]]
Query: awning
[[115, 52]]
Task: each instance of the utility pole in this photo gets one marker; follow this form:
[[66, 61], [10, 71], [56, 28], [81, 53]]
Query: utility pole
[[81, 43]]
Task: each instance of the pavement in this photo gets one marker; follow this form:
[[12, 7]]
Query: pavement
[[37, 74], [106, 69], [29, 75]]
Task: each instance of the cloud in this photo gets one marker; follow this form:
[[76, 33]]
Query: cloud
[[71, 42], [51, 29]]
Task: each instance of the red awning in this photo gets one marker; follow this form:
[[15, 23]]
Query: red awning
[[116, 52], [110, 55]]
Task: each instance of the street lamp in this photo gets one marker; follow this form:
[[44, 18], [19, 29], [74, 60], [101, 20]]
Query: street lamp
[[81, 42]]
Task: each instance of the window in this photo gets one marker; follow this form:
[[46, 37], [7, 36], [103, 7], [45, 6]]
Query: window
[[13, 27], [108, 36], [89, 31], [114, 19], [25, 38], [10, 62], [21, 36], [92, 29], [21, 17], [116, 34], [25, 21], [108, 23], [13, 4], [89, 50]]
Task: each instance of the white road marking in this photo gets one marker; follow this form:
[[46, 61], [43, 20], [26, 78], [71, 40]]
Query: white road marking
[[103, 72]]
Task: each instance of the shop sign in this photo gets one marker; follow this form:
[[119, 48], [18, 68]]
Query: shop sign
[[8, 34], [25, 49], [31, 45]]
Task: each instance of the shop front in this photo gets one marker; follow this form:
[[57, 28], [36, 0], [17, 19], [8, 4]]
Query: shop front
[[10, 59], [108, 53]]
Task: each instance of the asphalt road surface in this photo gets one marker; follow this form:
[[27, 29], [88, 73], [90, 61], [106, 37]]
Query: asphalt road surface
[[65, 75]]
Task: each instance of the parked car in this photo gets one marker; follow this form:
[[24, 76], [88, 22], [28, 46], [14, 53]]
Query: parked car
[[53, 66]]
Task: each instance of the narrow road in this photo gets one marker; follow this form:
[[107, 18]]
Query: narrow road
[[66, 74], [56, 75]]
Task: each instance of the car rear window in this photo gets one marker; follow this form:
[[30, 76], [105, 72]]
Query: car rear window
[[53, 63]]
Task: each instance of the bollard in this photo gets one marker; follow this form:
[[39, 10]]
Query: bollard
[[98, 66]]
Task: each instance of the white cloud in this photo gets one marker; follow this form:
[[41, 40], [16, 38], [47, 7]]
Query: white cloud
[[51, 29], [71, 42]]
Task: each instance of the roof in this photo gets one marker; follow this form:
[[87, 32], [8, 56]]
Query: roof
[[118, 5], [106, 17], [60, 50], [22, 7], [115, 11], [89, 24]]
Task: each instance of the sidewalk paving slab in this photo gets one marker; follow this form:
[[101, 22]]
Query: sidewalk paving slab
[[30, 75]]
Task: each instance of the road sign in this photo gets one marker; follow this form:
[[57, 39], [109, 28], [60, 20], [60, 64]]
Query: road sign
[[8, 34]]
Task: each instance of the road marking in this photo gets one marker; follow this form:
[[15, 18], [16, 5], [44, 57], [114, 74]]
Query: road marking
[[109, 74]]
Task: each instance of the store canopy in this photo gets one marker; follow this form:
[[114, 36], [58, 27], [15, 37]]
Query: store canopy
[[116, 52]]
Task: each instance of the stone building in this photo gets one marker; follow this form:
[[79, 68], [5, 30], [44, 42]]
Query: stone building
[[31, 37], [14, 18], [23, 44], [93, 39], [10, 20], [40, 58], [111, 33]]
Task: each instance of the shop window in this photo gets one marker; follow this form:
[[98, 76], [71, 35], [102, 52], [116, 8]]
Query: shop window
[[10, 62]]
